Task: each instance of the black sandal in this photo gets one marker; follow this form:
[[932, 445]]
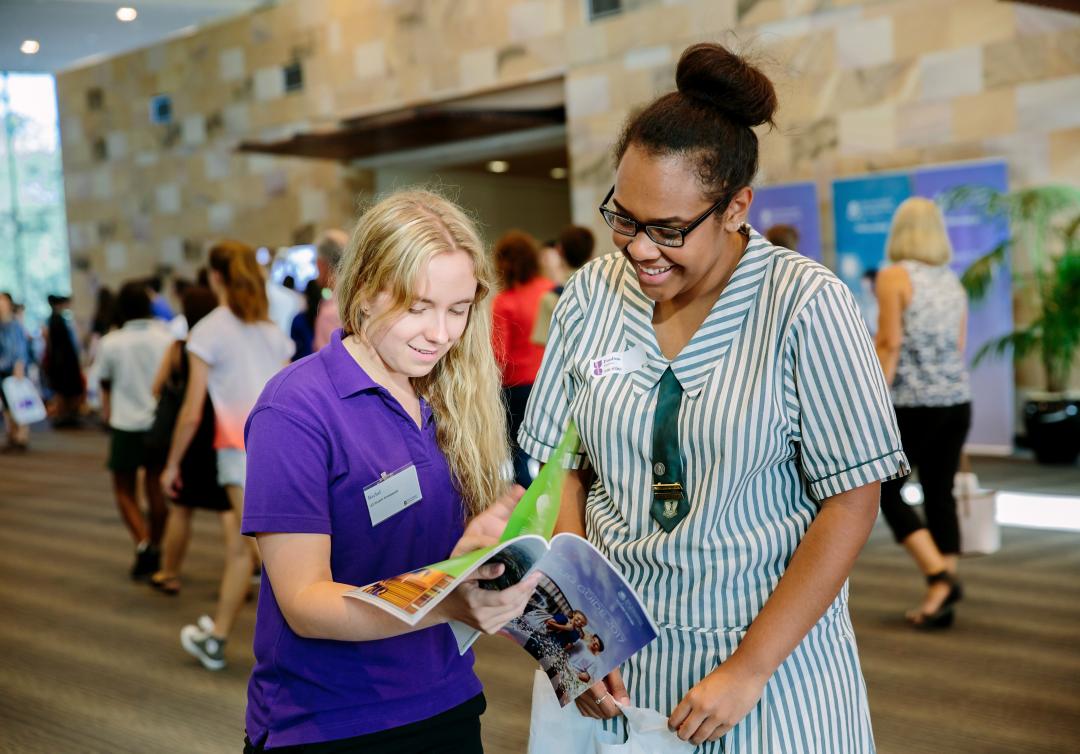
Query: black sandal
[[944, 616]]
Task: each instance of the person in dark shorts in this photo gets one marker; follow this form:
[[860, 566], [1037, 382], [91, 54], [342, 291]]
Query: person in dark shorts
[[127, 361], [198, 468]]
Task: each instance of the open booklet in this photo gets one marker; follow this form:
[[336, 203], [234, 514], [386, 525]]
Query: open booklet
[[583, 620]]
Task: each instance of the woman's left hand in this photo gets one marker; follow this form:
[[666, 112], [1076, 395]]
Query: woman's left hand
[[485, 528], [716, 704]]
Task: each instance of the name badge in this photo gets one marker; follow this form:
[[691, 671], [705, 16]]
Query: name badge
[[393, 493], [622, 362]]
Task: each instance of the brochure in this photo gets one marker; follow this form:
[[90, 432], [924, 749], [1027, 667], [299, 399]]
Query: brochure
[[583, 620]]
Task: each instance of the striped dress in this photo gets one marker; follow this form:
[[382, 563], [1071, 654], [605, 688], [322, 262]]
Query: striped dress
[[784, 405]]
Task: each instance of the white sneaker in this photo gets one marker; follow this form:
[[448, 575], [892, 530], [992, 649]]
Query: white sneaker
[[207, 649]]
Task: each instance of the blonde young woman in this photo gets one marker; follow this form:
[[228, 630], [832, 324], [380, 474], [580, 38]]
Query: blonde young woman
[[405, 396], [231, 352], [922, 324]]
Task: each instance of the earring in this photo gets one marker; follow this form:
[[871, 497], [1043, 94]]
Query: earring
[[745, 229]]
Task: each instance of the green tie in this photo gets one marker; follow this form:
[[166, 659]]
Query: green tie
[[669, 504]]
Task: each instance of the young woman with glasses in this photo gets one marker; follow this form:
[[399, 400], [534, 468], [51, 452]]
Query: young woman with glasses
[[735, 429]]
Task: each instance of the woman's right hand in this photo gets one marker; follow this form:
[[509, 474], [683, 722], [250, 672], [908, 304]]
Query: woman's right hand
[[487, 610], [170, 480]]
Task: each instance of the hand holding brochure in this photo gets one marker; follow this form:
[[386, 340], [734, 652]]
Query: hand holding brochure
[[582, 621]]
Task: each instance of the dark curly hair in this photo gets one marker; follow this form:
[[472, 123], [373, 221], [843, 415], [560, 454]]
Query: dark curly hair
[[517, 259]]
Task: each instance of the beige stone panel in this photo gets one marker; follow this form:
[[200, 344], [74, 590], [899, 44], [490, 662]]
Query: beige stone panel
[[865, 87], [1048, 105], [705, 17], [924, 124], [1032, 20], [914, 32], [369, 60], [869, 130], [1030, 58], [951, 73], [478, 69], [813, 140], [231, 64], [754, 12], [865, 43], [585, 45], [534, 18], [1065, 156], [809, 56], [984, 115], [1027, 154], [587, 95], [979, 22], [654, 25]]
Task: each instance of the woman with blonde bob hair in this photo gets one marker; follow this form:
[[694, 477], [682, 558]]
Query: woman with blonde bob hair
[[377, 455], [922, 324]]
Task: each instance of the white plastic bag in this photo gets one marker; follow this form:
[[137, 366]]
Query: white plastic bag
[[564, 730], [23, 401], [976, 511], [647, 734]]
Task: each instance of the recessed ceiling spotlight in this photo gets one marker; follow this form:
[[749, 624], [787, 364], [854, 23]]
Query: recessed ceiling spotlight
[[558, 173], [126, 14], [29, 46], [498, 166]]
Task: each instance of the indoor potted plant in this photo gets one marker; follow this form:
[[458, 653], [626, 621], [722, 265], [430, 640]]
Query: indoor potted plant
[[1044, 225]]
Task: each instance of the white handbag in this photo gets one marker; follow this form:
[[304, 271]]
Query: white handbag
[[564, 730], [976, 511], [23, 401]]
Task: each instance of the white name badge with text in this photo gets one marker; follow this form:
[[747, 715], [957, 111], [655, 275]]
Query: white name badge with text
[[393, 493], [623, 362]]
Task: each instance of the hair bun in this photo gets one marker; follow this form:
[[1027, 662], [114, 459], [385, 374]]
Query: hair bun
[[713, 74]]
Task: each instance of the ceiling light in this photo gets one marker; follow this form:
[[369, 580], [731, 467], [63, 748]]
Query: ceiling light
[[30, 46], [558, 173], [498, 166], [127, 14]]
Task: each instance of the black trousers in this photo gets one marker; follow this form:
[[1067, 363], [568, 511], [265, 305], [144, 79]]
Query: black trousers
[[933, 437], [456, 731], [516, 399]]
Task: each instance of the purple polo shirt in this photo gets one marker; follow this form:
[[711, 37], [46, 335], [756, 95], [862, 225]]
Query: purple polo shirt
[[321, 431]]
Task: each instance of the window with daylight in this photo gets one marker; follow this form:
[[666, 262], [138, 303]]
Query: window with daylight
[[33, 231]]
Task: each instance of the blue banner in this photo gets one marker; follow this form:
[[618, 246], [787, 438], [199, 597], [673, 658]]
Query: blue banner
[[794, 204], [863, 208]]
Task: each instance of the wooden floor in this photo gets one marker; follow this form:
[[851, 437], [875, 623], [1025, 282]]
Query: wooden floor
[[90, 661]]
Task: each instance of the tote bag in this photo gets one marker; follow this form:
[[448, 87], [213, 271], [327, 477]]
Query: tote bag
[[976, 512], [23, 401]]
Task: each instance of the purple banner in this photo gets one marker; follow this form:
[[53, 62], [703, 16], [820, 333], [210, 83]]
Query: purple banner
[[972, 235], [792, 204]]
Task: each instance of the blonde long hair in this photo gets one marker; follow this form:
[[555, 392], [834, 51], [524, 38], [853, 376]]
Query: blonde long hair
[[918, 232], [388, 252]]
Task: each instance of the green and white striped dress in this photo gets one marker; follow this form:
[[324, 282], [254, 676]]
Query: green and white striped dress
[[784, 405]]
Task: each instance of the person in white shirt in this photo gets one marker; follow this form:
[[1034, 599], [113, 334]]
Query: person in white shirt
[[127, 361], [232, 353]]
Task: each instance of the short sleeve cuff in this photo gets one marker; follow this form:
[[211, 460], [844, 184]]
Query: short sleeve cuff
[[200, 351], [542, 451], [892, 465], [285, 525]]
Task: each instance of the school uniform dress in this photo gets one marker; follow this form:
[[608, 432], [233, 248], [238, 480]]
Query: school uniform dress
[[783, 406]]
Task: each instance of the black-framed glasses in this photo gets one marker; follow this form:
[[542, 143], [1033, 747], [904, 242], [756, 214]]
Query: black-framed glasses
[[664, 235]]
